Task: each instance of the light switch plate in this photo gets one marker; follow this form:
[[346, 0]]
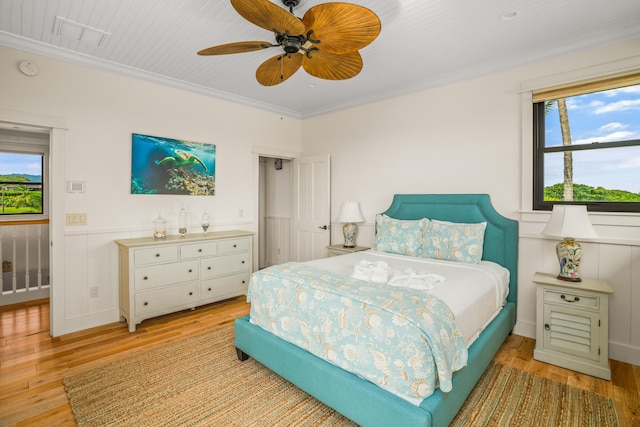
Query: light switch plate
[[76, 219]]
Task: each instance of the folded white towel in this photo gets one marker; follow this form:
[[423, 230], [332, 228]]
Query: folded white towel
[[371, 271], [422, 281]]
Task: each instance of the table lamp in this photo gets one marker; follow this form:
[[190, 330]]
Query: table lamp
[[569, 222], [349, 215]]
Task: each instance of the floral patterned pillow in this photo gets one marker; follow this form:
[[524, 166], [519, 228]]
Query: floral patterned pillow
[[404, 237], [454, 241]]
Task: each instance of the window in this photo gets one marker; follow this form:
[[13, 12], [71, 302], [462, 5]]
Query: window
[[587, 145], [21, 190]]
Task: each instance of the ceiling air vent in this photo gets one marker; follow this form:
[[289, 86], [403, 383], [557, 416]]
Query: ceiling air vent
[[79, 32]]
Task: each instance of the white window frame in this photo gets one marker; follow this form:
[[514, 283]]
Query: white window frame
[[27, 143], [528, 216]]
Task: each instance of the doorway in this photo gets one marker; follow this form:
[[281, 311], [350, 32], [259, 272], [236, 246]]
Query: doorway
[[56, 128], [24, 220], [274, 211], [292, 199]]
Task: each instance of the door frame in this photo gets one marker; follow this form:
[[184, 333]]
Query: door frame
[[258, 152], [57, 132]]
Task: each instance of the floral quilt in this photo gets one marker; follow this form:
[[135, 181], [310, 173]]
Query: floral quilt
[[404, 340]]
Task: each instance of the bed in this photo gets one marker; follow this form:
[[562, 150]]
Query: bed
[[365, 402]]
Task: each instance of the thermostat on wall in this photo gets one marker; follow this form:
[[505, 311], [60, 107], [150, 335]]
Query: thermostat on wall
[[75, 186]]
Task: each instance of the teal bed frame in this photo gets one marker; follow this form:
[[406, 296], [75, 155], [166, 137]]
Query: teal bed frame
[[364, 402]]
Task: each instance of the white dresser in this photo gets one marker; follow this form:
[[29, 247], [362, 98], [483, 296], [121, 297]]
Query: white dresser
[[573, 324], [162, 276]]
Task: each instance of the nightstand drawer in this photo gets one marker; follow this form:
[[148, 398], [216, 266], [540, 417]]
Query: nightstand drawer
[[574, 299]]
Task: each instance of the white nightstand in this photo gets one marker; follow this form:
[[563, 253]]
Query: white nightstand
[[335, 250], [572, 328]]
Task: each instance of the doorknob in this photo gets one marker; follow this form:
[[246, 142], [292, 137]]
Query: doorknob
[[324, 227]]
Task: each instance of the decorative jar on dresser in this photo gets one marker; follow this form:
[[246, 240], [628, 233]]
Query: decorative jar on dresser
[[166, 275], [572, 328]]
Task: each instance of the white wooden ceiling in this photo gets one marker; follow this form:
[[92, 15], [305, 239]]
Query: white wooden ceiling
[[423, 43]]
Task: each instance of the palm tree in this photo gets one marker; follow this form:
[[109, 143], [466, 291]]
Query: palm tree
[[566, 140]]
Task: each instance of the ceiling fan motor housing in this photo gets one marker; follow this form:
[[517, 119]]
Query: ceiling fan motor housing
[[291, 3], [290, 44]]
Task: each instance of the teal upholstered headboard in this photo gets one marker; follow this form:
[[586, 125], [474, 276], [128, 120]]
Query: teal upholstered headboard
[[501, 235]]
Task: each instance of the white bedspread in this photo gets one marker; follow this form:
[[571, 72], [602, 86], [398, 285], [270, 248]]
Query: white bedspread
[[475, 293]]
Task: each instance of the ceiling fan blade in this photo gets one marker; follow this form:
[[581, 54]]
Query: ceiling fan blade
[[342, 27], [333, 67], [269, 16], [276, 70], [238, 47]]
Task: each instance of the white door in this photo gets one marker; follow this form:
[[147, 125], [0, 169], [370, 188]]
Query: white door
[[311, 208]]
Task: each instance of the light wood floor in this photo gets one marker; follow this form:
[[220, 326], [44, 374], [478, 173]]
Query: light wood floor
[[32, 364]]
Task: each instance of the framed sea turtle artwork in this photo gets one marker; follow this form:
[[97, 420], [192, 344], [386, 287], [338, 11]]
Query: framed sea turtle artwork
[[172, 166]]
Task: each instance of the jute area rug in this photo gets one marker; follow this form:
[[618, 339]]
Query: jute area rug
[[199, 381]]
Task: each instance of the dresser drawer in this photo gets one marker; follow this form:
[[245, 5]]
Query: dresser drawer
[[224, 265], [233, 245], [159, 300], [572, 298], [154, 276], [155, 255], [221, 286], [197, 250]]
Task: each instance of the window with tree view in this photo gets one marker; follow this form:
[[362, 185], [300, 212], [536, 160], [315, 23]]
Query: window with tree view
[[21, 183], [587, 146]]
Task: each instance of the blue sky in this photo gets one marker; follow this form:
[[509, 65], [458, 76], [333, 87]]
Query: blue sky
[[30, 164], [612, 115]]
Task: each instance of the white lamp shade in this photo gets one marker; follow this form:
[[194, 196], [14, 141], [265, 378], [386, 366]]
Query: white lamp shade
[[350, 213], [570, 221]]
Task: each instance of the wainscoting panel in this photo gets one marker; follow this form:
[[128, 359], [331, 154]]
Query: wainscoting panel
[[277, 238]]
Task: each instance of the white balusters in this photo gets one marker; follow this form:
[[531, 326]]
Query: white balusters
[[25, 256]]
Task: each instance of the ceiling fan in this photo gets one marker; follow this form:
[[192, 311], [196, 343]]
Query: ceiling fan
[[325, 42]]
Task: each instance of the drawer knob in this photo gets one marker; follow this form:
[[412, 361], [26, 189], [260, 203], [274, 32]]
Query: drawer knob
[[190, 270], [575, 299], [199, 250], [546, 326], [235, 246], [157, 255], [145, 278], [209, 268], [209, 289], [190, 293], [243, 261], [243, 282], [146, 303]]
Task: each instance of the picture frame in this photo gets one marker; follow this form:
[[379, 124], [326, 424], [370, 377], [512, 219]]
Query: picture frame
[[161, 165]]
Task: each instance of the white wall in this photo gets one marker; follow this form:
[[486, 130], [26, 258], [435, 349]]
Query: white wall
[[475, 137], [465, 137], [101, 110]]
